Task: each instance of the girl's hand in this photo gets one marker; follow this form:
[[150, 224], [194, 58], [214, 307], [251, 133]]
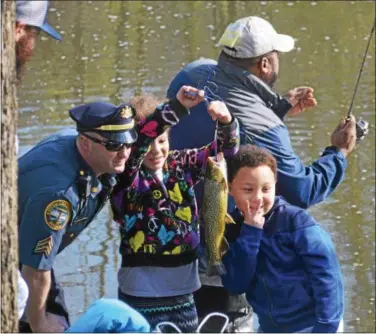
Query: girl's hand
[[253, 217], [189, 96], [218, 111]]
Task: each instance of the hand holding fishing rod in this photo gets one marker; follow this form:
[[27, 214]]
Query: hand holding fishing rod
[[344, 136]]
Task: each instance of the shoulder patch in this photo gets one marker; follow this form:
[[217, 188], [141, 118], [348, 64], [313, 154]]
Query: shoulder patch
[[44, 246], [57, 214]]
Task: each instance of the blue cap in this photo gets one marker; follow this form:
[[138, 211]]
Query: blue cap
[[34, 13], [116, 123]]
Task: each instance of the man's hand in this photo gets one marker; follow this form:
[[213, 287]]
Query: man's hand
[[218, 111], [189, 96], [253, 216], [300, 98], [344, 136]]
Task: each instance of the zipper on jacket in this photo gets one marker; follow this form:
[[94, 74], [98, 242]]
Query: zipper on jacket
[[270, 302]]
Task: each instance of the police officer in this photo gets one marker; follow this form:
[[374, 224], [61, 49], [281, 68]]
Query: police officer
[[63, 182]]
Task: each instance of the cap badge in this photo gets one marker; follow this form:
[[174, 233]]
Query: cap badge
[[126, 112]]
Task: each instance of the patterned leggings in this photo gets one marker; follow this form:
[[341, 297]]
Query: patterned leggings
[[180, 310]]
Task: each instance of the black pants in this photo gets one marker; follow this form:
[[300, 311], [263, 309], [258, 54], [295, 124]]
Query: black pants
[[55, 304], [216, 299]]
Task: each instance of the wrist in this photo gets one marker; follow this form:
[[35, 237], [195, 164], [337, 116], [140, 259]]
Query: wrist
[[259, 225], [338, 149], [226, 120], [37, 323]]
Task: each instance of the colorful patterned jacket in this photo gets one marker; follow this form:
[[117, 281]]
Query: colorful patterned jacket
[[159, 220]]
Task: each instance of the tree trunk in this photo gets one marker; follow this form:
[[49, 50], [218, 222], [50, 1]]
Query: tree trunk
[[8, 193]]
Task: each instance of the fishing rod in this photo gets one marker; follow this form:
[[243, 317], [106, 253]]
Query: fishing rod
[[361, 125]]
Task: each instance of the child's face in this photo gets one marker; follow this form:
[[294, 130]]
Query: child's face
[[257, 185], [158, 152]]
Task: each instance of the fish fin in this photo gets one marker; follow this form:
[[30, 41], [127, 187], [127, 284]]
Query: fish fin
[[229, 219], [223, 248], [215, 269]]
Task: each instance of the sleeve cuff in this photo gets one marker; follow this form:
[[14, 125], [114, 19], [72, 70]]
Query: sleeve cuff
[[178, 108], [229, 127], [283, 108], [334, 150], [251, 234]]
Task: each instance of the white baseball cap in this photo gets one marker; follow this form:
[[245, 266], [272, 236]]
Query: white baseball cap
[[34, 13], [253, 36]]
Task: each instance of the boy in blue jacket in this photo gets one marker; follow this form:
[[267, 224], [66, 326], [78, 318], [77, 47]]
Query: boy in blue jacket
[[282, 259]]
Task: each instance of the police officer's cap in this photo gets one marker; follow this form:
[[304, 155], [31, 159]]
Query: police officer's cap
[[116, 123]]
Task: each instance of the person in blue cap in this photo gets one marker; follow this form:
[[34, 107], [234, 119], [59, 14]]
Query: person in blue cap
[[63, 182], [31, 18]]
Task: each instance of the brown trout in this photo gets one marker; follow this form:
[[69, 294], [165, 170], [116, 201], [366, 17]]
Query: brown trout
[[214, 213]]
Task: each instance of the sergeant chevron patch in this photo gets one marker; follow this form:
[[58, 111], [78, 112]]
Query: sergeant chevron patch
[[45, 246]]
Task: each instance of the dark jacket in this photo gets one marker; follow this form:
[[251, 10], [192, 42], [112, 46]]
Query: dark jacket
[[260, 113], [289, 272], [159, 218]]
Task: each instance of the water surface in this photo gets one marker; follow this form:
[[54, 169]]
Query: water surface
[[113, 50]]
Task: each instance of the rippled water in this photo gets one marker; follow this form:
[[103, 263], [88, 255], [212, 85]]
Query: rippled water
[[113, 50]]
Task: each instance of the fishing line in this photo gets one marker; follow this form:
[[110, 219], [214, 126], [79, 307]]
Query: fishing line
[[210, 89], [361, 69]]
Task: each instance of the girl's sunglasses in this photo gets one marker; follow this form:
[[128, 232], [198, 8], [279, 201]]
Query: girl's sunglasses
[[111, 146]]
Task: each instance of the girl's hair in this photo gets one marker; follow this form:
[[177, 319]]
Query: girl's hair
[[144, 105], [250, 156]]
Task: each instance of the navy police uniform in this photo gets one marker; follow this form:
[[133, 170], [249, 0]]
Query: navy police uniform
[[59, 194]]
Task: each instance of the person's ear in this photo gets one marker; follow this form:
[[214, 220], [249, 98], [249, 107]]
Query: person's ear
[[20, 30], [264, 65], [85, 143]]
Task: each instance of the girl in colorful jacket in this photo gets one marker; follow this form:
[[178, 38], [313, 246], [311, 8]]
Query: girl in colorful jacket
[[155, 205], [282, 259]]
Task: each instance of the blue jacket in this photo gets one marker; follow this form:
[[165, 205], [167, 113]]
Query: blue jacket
[[260, 112], [58, 197], [289, 272]]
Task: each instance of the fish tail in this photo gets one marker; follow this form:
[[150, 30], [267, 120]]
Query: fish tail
[[217, 268]]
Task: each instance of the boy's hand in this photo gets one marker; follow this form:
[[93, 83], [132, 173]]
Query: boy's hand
[[189, 96], [218, 111], [253, 216]]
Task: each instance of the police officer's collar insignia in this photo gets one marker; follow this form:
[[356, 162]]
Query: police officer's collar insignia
[[57, 214], [45, 246], [126, 112]]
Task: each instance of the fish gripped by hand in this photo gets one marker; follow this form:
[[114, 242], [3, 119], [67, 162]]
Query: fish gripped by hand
[[214, 213]]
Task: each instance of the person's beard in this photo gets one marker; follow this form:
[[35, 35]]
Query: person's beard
[[23, 53], [270, 81]]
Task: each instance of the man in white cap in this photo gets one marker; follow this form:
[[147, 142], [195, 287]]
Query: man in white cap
[[31, 18], [243, 77]]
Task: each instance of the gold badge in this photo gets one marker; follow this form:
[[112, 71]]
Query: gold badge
[[58, 214], [126, 112], [45, 246]]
